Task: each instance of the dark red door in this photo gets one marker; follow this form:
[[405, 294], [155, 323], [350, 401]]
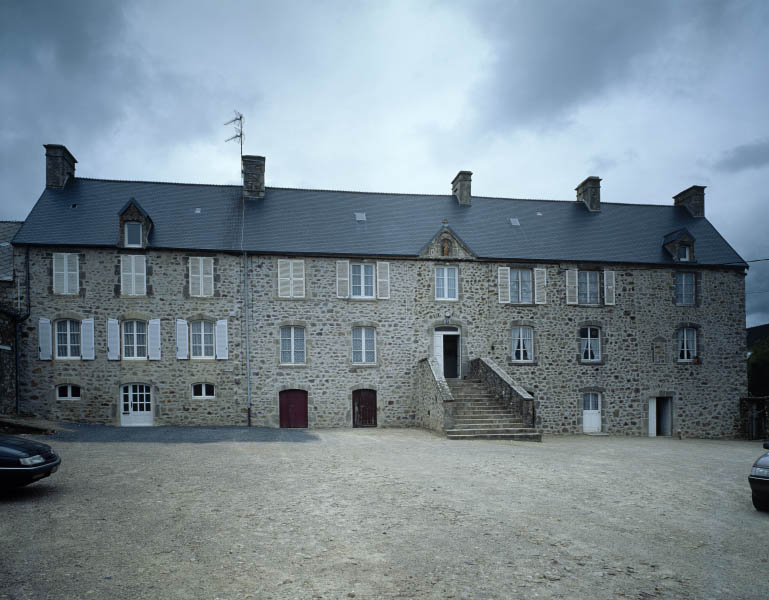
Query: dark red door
[[293, 408], [364, 408]]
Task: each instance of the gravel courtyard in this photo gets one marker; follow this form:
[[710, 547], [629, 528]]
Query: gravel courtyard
[[234, 513]]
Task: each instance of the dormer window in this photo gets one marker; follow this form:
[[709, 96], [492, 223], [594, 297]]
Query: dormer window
[[683, 254], [133, 235]]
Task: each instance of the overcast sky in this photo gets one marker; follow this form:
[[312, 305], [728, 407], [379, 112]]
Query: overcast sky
[[532, 96]]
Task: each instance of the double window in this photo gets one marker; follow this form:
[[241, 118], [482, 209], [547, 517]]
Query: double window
[[523, 344], [584, 287], [587, 284], [361, 280], [590, 344], [68, 392], [520, 286], [133, 275], [202, 339], [446, 283], [203, 390], [201, 276], [65, 273], [687, 344], [134, 340], [292, 346], [67, 339], [363, 345], [685, 289]]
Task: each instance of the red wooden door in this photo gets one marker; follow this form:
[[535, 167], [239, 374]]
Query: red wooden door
[[293, 408], [364, 408]]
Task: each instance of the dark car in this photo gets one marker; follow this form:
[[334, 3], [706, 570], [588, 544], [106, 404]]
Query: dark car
[[759, 481], [23, 461]]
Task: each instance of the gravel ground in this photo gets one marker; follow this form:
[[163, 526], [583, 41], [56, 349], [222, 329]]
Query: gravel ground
[[235, 513]]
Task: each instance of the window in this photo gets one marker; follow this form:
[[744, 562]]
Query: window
[[523, 344], [445, 283], [202, 339], [683, 253], [363, 345], [587, 282], [203, 390], [687, 344], [136, 398], [362, 276], [520, 286], [685, 289], [133, 235], [68, 339], [65, 273], [133, 275], [68, 392], [201, 276], [290, 278], [292, 345], [591, 401], [590, 344], [134, 340]]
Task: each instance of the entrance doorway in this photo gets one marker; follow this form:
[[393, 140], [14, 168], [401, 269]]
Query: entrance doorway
[[293, 408], [364, 408], [660, 416], [447, 350], [136, 405], [591, 412]]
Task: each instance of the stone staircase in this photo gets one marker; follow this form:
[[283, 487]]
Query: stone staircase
[[478, 415]]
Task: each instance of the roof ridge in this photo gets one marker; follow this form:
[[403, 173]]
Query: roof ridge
[[10, 221], [227, 185]]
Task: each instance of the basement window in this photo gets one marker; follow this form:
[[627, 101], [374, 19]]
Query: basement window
[[203, 390]]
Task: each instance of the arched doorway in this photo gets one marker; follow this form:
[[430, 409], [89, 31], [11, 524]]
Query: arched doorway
[[293, 408], [447, 349]]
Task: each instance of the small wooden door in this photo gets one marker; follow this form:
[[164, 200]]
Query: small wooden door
[[364, 408], [293, 408]]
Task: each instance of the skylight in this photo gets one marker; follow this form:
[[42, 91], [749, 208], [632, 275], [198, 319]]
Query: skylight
[[514, 222], [360, 216]]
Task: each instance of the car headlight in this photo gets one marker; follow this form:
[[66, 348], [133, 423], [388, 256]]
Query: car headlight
[[759, 472], [37, 459]]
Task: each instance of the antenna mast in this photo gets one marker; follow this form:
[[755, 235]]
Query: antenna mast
[[238, 124]]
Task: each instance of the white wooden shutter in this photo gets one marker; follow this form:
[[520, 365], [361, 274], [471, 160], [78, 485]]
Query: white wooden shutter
[[195, 276], [438, 348], [297, 278], [609, 295], [342, 278], [73, 283], [153, 339], [182, 339], [44, 338], [59, 273], [221, 339], [126, 275], [383, 280], [207, 275], [140, 275], [503, 285], [540, 286], [86, 339], [284, 278], [113, 339], [571, 286]]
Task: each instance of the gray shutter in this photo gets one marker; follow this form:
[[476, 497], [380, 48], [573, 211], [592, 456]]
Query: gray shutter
[[73, 273], [195, 276], [609, 294], [182, 339], [571, 286], [86, 339], [221, 339], [503, 285], [540, 286], [44, 338], [297, 276], [342, 278], [59, 273], [284, 278], [383, 280], [153, 339], [113, 339], [207, 274], [140, 275]]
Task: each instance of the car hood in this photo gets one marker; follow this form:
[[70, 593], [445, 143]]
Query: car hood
[[17, 447], [763, 461]]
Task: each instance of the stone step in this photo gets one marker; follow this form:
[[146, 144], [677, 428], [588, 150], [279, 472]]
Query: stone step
[[487, 429], [502, 435], [488, 423]]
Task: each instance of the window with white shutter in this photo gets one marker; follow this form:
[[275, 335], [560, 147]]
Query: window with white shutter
[[222, 352], [44, 338], [609, 286], [571, 286], [202, 338], [383, 280], [342, 279], [588, 291], [133, 275], [66, 278], [67, 339], [113, 339], [291, 278], [153, 339], [201, 276], [134, 340], [362, 280], [87, 349], [503, 285], [540, 286], [182, 339]]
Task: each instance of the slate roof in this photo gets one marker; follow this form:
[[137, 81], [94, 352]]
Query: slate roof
[[7, 230], [295, 221]]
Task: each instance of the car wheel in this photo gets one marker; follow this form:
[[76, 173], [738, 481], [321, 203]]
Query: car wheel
[[762, 505]]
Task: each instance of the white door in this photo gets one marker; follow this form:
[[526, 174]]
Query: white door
[[135, 405], [652, 417], [438, 348], [591, 412]]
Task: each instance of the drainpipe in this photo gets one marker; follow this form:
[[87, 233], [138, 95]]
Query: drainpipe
[[248, 327], [17, 329]]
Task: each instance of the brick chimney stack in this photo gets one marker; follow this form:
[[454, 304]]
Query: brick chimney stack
[[693, 199], [253, 176], [589, 192], [59, 166], [460, 187]]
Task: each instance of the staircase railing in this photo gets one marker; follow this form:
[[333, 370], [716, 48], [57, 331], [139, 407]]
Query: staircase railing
[[504, 387], [435, 409]]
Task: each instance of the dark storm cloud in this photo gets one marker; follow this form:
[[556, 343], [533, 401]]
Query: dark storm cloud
[[745, 156]]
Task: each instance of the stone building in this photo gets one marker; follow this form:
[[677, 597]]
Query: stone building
[[159, 303]]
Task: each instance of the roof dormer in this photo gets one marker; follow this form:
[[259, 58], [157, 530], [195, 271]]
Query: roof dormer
[[680, 245], [135, 225]]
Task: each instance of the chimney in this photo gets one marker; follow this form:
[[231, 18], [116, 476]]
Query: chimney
[[693, 199], [253, 176], [589, 192], [59, 166], [460, 187]]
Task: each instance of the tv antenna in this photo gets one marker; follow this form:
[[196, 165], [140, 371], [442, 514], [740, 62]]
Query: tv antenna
[[238, 124]]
